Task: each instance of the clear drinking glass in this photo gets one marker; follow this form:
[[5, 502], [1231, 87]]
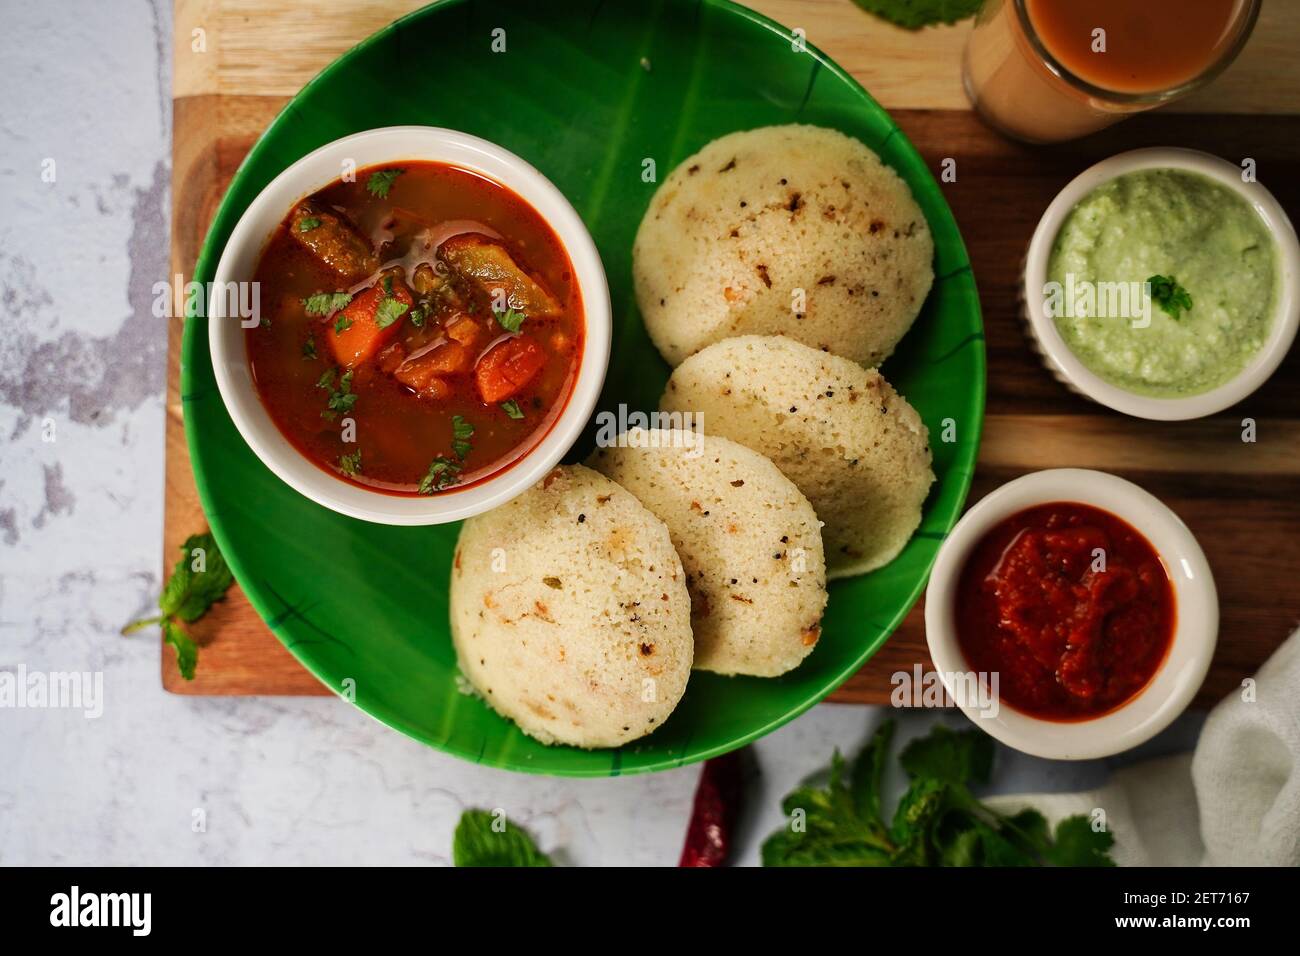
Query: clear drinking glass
[[1021, 88]]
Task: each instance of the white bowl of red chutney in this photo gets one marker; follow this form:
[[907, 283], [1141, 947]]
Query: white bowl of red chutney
[[1071, 614], [433, 329]]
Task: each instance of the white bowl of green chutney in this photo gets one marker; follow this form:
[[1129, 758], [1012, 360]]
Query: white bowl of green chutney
[[1163, 283]]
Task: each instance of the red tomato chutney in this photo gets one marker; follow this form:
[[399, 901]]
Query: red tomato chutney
[[422, 328], [1070, 605]]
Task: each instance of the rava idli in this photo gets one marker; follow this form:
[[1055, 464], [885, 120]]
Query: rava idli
[[791, 230], [749, 541], [569, 612], [852, 444]]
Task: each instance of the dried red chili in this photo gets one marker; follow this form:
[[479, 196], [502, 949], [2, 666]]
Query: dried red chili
[[717, 808]]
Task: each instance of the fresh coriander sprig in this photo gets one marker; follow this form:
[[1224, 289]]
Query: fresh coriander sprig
[[389, 311], [512, 409], [1172, 298], [199, 580], [379, 183], [308, 223], [350, 464], [323, 303], [442, 473], [510, 320], [461, 431], [341, 397]]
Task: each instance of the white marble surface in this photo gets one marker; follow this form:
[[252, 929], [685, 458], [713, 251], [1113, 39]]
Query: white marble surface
[[281, 781]]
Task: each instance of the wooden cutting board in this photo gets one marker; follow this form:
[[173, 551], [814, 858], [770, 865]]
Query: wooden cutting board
[[238, 61]]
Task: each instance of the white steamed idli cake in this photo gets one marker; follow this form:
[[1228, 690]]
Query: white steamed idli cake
[[790, 230], [570, 614], [749, 542], [853, 445]]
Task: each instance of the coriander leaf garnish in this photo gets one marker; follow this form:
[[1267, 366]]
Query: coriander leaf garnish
[[308, 223], [1172, 298], [417, 317], [199, 580], [388, 285], [350, 464], [381, 182], [341, 397], [309, 347], [442, 472], [342, 324], [512, 408], [938, 821], [462, 431], [510, 320], [481, 841], [323, 303], [389, 311]]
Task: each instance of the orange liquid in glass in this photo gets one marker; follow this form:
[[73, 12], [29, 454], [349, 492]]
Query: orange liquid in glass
[[1150, 45]]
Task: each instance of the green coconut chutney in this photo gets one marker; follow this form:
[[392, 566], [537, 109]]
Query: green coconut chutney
[[1167, 223]]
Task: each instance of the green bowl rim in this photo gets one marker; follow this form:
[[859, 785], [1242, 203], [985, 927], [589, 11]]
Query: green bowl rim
[[209, 253]]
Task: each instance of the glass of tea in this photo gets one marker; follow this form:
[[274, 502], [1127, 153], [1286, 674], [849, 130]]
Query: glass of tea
[[1044, 71]]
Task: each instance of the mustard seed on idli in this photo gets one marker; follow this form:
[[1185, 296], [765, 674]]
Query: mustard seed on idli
[[791, 230], [852, 444], [569, 612], [749, 542]]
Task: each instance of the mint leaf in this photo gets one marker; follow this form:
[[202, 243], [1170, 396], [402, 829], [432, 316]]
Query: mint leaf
[[483, 839], [938, 821], [200, 579], [189, 592], [915, 14], [187, 652], [869, 769], [951, 756], [917, 813], [1078, 844]]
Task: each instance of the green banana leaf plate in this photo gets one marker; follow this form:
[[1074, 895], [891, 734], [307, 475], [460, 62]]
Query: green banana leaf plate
[[585, 91]]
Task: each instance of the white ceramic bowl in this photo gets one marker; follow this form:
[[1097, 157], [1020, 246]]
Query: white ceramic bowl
[[1195, 632], [1073, 373], [392, 146]]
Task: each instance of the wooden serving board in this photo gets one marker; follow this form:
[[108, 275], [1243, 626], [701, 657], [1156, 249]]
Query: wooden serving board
[[1242, 500]]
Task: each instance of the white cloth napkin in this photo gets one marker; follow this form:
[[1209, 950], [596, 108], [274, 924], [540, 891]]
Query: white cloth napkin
[[1235, 802]]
